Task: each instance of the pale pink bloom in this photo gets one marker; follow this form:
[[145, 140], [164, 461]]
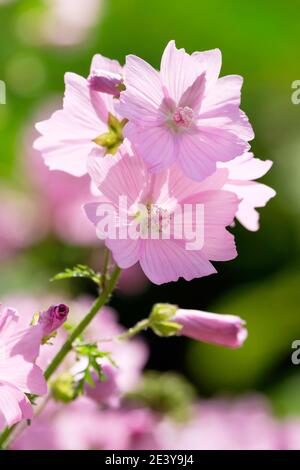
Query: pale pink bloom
[[66, 221], [184, 113], [223, 330], [241, 173], [19, 348], [52, 318], [69, 135], [163, 260]]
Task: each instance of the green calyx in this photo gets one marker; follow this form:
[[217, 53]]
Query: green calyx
[[160, 320], [112, 139]]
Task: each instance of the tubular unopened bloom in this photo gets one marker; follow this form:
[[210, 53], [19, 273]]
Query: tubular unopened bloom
[[163, 256], [53, 318], [223, 330], [19, 348], [84, 123], [184, 113]]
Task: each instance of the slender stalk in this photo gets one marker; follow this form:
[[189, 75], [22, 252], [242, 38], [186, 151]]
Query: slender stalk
[[67, 346], [137, 328]]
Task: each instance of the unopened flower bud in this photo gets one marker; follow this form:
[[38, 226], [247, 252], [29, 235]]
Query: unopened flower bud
[[106, 82], [53, 318]]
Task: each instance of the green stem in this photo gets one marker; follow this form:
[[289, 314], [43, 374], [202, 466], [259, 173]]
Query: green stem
[[67, 346], [140, 326]]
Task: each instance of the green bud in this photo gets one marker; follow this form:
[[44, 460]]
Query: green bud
[[62, 387]]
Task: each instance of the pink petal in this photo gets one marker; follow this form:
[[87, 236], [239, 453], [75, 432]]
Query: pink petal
[[246, 167], [193, 95], [178, 71], [14, 405], [210, 62], [118, 175], [143, 96], [126, 253], [252, 195], [25, 342], [156, 145], [101, 62], [67, 137], [25, 376], [166, 260]]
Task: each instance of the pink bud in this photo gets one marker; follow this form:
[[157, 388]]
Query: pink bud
[[105, 82], [224, 330], [53, 318]]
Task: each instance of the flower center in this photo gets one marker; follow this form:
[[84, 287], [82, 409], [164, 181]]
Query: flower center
[[183, 117], [153, 219]]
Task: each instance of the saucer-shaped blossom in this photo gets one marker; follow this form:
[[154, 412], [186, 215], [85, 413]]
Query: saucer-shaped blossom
[[85, 122], [19, 348], [242, 172], [149, 230], [185, 113]]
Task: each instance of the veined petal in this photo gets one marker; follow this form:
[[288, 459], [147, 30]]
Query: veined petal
[[167, 260]]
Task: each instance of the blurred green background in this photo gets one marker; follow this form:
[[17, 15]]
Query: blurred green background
[[260, 41]]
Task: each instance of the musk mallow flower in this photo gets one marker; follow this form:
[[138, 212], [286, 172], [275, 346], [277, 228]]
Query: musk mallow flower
[[242, 171], [88, 120], [184, 113], [158, 226], [19, 348]]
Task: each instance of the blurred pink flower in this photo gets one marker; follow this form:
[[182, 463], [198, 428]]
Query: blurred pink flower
[[241, 173], [224, 424], [19, 348], [69, 135], [184, 113], [19, 222], [223, 330], [163, 260], [82, 425]]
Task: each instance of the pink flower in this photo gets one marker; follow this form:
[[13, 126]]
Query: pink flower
[[72, 132], [163, 260], [53, 318], [241, 173], [224, 330], [105, 391], [19, 348], [184, 113]]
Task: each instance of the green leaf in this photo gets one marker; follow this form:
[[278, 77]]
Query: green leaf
[[79, 270]]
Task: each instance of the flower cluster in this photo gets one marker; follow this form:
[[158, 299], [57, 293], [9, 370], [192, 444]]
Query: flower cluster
[[169, 141]]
